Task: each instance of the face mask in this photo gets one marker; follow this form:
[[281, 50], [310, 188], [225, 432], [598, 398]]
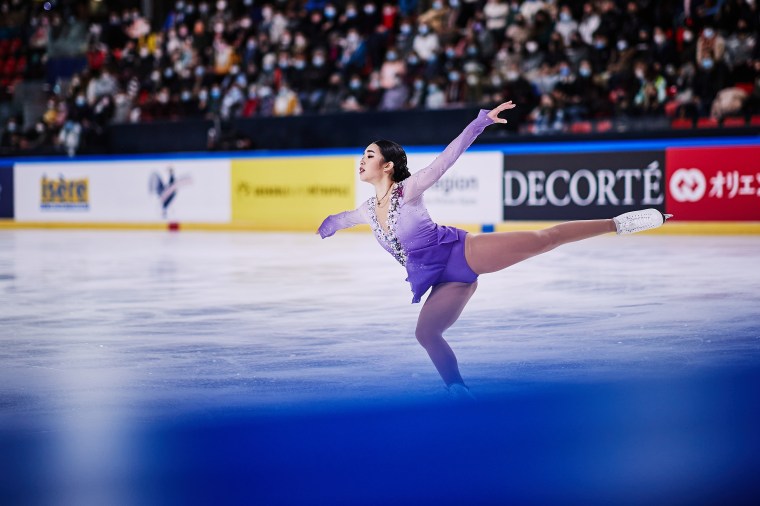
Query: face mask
[[600, 44], [413, 60], [707, 63], [659, 39], [369, 9], [355, 85], [251, 45], [585, 71], [432, 88], [687, 36], [639, 74], [318, 61], [708, 33], [203, 95], [185, 96], [437, 5], [472, 50], [168, 73], [423, 30], [564, 16], [199, 71], [216, 93], [80, 101], [418, 85], [453, 77], [221, 5], [622, 45], [299, 64], [405, 29], [512, 75], [450, 53], [391, 56], [531, 47], [350, 13], [564, 71], [11, 127], [330, 12]]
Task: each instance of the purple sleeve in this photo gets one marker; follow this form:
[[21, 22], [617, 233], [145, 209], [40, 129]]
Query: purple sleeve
[[339, 221], [425, 178]]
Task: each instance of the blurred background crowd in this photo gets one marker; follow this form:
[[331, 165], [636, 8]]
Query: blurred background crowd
[[69, 68]]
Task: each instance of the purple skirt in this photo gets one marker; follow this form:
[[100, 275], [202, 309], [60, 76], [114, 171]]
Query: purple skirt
[[443, 262]]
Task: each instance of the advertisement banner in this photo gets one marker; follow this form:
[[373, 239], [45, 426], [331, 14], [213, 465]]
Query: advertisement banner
[[714, 184], [468, 193], [6, 191], [124, 191], [290, 193], [572, 186]]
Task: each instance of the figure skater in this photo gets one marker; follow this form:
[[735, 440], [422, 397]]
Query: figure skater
[[446, 259]]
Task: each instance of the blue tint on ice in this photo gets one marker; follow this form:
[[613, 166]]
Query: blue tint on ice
[[158, 368]]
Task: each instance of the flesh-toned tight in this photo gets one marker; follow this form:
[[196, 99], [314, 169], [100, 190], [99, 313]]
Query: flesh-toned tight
[[488, 253]]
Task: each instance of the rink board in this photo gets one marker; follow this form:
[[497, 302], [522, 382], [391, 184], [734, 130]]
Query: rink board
[[703, 182]]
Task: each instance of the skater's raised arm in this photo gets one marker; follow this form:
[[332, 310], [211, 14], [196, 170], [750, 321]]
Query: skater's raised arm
[[339, 221], [425, 178]]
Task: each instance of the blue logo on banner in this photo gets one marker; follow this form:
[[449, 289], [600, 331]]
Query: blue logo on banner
[[6, 192]]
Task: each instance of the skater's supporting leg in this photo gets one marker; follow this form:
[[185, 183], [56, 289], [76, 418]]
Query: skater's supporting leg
[[441, 309]]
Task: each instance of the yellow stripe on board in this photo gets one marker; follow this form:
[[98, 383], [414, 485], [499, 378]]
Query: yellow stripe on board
[[671, 228]]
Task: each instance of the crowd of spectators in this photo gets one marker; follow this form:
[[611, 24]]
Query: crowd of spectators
[[562, 61]]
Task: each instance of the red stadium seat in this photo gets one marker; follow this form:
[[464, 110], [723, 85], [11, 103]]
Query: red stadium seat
[[9, 67], [681, 123], [746, 87], [20, 65], [580, 127], [755, 120], [734, 122], [604, 125], [707, 123]]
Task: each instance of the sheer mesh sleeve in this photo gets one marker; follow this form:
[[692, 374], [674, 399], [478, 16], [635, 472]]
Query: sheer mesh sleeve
[[425, 178], [346, 219]]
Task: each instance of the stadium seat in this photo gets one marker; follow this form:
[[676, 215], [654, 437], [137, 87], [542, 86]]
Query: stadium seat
[[707, 123], [682, 123], [755, 120], [734, 122], [580, 127], [603, 125]]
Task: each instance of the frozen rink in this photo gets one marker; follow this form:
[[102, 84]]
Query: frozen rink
[[116, 343]]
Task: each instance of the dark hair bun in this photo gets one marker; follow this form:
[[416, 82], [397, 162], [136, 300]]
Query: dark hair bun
[[392, 152]]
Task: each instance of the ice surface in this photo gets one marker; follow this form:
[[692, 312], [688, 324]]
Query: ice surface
[[123, 319], [204, 368]]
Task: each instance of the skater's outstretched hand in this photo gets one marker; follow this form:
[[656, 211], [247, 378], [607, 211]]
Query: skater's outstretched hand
[[494, 114]]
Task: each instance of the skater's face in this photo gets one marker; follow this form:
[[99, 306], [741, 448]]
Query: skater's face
[[373, 166]]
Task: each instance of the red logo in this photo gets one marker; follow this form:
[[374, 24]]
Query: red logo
[[715, 184]]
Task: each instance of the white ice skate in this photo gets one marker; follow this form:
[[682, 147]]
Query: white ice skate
[[638, 221], [459, 392]]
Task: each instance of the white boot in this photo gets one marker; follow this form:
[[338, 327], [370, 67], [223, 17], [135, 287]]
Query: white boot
[[638, 221]]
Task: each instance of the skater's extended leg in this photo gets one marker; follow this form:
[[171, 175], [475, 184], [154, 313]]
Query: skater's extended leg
[[496, 251], [441, 309]]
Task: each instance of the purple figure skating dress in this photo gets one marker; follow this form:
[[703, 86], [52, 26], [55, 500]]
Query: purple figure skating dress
[[431, 253]]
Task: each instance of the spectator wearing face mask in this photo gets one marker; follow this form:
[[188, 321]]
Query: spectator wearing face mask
[[286, 102], [589, 24], [438, 18], [663, 49], [710, 47], [426, 42], [392, 67]]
